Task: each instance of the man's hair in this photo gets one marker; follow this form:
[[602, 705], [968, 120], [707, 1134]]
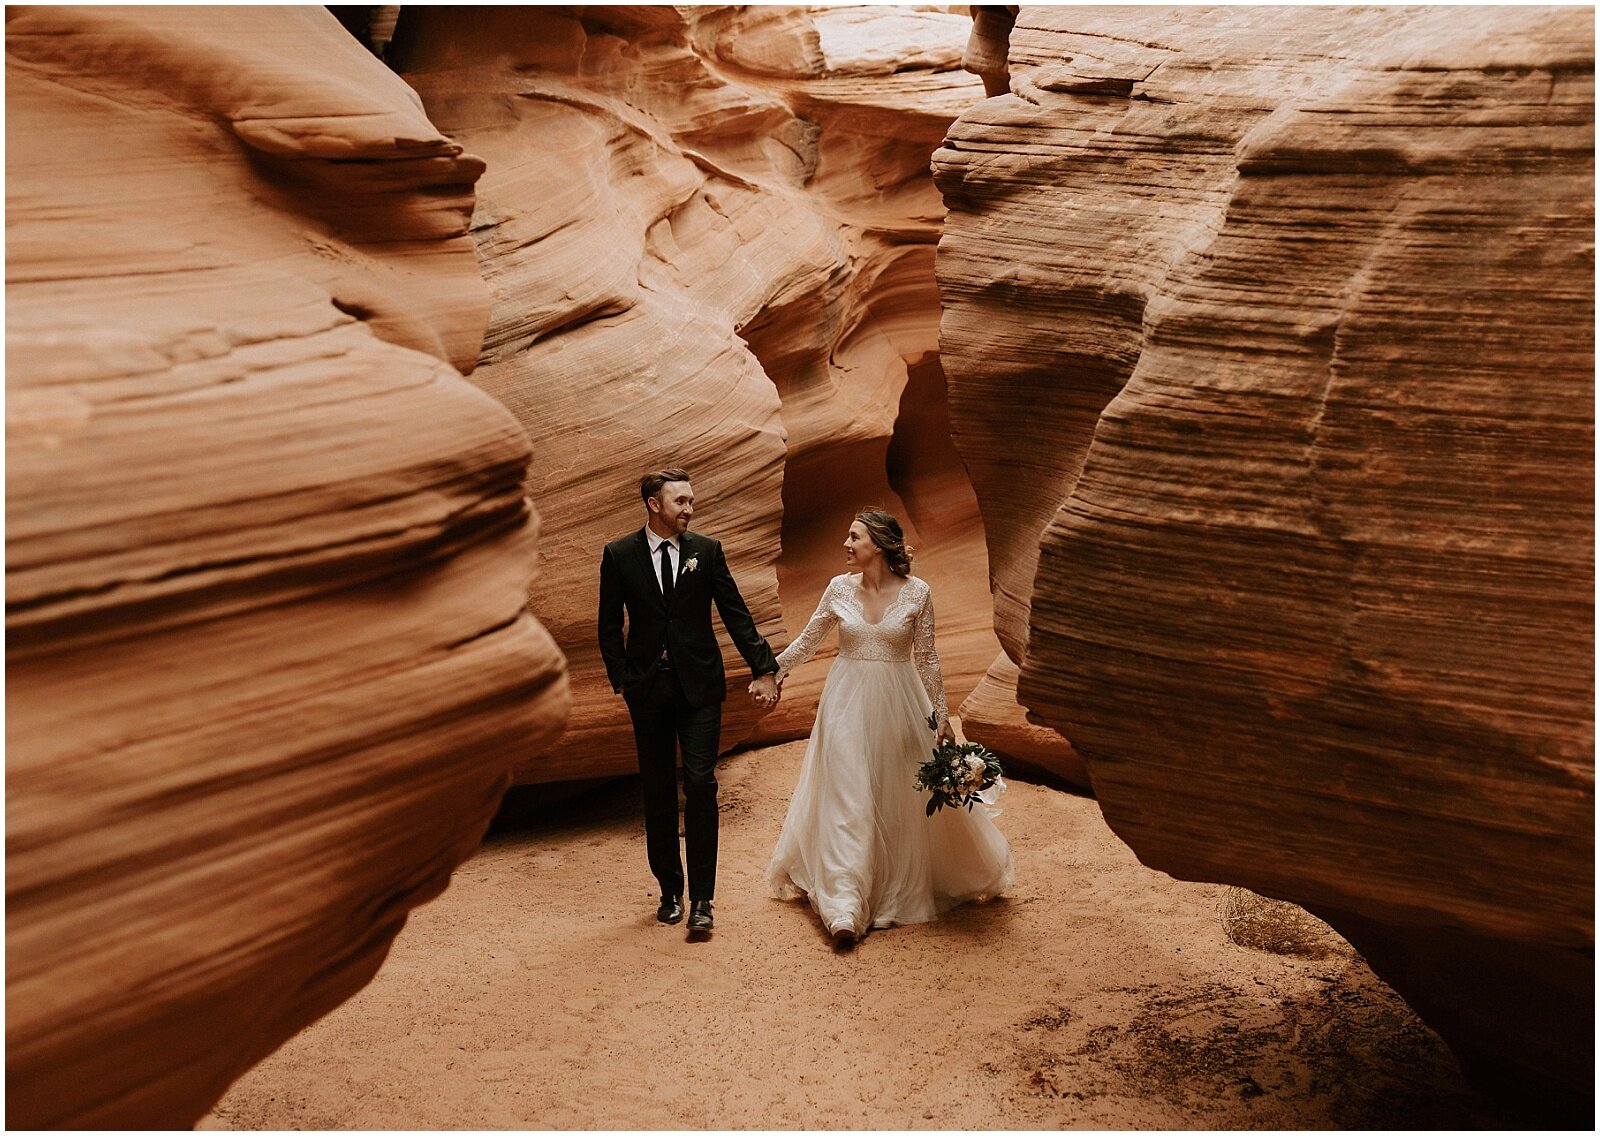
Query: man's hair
[[650, 484]]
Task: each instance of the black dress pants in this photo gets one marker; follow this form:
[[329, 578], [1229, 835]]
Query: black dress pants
[[664, 722]]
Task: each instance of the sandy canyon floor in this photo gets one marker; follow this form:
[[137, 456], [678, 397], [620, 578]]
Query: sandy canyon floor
[[539, 992]]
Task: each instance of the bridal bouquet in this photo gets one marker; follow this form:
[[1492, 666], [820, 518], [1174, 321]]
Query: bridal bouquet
[[958, 773]]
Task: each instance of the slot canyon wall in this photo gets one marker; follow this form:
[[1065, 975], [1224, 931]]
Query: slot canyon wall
[[709, 237], [267, 552], [1269, 334]]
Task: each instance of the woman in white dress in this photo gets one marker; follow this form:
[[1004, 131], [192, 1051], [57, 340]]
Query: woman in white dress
[[856, 841]]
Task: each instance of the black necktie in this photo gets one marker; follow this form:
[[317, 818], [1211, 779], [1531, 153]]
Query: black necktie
[[666, 571]]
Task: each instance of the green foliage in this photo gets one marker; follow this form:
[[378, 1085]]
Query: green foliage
[[952, 777]]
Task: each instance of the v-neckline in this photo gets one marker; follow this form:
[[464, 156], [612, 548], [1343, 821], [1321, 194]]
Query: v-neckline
[[860, 603]]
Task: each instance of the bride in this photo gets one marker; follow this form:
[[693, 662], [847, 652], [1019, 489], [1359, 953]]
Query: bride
[[856, 842]]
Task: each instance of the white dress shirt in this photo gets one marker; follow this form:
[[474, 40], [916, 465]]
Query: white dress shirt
[[655, 554]]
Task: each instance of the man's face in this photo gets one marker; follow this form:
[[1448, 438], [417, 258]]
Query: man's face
[[674, 506]]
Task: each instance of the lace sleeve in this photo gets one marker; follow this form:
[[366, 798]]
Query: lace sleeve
[[816, 630], [927, 655]]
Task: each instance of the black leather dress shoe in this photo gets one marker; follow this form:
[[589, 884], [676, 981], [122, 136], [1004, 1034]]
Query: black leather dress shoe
[[700, 915], [671, 909]]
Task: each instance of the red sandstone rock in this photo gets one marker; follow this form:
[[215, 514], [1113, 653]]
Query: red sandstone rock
[[266, 551], [1278, 325], [992, 715], [709, 234]]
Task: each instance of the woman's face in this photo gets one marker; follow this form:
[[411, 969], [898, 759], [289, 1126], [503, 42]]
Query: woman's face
[[859, 551]]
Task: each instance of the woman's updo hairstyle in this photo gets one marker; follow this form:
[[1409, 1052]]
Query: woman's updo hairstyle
[[886, 533]]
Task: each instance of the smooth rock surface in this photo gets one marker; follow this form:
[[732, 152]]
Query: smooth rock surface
[[992, 715], [266, 550], [709, 235], [1270, 337]]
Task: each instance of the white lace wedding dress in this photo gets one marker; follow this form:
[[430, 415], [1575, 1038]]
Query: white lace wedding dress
[[856, 841]]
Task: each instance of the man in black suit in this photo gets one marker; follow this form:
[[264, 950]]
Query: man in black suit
[[670, 673]]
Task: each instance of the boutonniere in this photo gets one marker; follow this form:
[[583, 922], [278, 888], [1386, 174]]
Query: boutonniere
[[691, 564]]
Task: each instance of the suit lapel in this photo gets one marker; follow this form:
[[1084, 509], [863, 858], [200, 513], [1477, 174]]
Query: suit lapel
[[652, 573], [684, 553]]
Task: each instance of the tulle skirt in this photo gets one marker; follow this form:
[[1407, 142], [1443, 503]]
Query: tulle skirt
[[857, 842]]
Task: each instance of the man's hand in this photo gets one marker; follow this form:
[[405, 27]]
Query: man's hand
[[765, 691], [944, 734]]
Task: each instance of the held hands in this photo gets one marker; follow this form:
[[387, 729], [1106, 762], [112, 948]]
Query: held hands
[[766, 691]]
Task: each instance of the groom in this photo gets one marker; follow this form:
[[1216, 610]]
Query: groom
[[670, 674]]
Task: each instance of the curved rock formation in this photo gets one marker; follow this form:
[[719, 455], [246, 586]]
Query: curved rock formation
[[992, 715], [1299, 305], [266, 551], [709, 235]]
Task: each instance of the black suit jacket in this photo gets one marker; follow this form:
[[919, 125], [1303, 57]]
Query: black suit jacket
[[630, 581]]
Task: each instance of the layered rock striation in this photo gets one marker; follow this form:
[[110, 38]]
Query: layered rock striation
[[267, 552], [709, 236], [1270, 339]]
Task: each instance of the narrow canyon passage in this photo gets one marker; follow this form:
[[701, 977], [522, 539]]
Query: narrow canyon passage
[[539, 992], [913, 471], [1231, 367]]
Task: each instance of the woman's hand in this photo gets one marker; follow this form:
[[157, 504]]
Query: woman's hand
[[765, 691], [944, 734]]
